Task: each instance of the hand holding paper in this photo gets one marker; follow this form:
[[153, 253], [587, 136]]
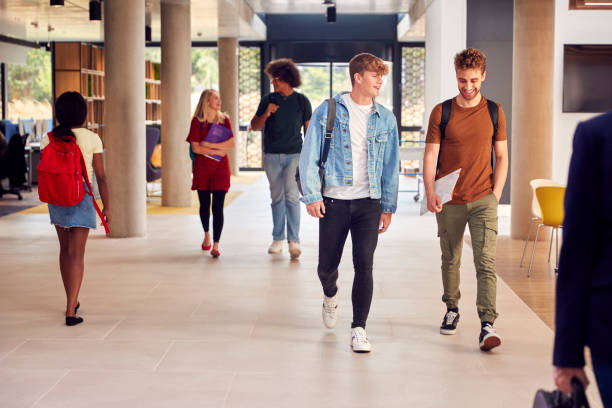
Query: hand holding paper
[[443, 187]]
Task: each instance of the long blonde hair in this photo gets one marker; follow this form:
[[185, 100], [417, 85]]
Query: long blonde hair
[[200, 111]]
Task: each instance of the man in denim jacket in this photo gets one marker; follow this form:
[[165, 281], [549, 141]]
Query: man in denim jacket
[[360, 187]]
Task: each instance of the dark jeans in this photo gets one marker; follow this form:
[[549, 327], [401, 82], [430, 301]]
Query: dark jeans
[[361, 217], [218, 200], [603, 376]]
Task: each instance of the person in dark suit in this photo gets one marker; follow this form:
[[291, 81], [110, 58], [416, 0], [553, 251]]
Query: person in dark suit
[[584, 284]]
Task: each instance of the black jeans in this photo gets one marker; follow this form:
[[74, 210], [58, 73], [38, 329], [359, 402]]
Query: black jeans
[[218, 200], [362, 218]]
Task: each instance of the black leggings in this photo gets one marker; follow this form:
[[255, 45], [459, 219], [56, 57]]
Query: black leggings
[[218, 200]]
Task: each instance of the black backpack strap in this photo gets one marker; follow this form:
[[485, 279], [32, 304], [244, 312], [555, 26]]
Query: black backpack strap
[[494, 113], [329, 130], [302, 104], [446, 111], [447, 106]]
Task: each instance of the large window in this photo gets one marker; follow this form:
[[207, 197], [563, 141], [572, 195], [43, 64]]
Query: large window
[[29, 88], [204, 69], [318, 84]]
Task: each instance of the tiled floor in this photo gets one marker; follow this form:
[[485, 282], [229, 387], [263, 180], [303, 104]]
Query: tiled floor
[[166, 325]]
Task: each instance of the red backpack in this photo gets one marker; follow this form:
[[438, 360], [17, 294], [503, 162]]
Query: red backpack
[[60, 175]]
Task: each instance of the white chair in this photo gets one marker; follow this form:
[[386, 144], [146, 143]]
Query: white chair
[[535, 209]]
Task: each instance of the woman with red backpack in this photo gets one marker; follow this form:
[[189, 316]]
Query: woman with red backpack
[[210, 137], [72, 222]]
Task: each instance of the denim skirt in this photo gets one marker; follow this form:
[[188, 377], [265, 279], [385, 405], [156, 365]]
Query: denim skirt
[[82, 214]]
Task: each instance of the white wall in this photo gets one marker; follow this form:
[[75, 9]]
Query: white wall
[[572, 27], [445, 36]]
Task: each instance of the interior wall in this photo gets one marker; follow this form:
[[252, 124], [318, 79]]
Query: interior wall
[[490, 29], [445, 36], [572, 27]]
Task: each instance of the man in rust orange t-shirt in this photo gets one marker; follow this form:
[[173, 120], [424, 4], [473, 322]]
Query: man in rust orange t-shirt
[[467, 144]]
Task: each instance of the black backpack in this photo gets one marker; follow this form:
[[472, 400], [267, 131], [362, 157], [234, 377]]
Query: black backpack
[[446, 112]]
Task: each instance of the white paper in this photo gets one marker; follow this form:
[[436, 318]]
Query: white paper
[[443, 187]]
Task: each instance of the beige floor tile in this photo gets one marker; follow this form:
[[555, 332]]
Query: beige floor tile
[[101, 389], [86, 354], [22, 388], [167, 325]]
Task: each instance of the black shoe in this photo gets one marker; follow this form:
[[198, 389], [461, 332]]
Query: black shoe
[[73, 320], [488, 339], [449, 322]]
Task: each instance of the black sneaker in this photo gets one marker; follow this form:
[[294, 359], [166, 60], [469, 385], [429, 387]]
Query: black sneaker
[[449, 322], [488, 339]]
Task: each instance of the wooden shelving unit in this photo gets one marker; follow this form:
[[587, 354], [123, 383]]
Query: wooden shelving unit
[[80, 67], [153, 92]]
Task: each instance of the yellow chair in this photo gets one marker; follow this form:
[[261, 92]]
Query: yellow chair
[[535, 208], [551, 207]]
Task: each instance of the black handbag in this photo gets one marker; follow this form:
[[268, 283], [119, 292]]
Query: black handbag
[[558, 399], [329, 132]]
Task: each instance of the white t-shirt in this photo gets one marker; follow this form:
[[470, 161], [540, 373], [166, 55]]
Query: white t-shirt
[[89, 143], [358, 125]]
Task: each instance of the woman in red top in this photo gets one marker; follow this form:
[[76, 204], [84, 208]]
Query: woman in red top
[[210, 176]]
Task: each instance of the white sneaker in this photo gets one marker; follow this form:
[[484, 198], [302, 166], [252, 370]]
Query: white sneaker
[[359, 340], [294, 249], [330, 311], [276, 247]]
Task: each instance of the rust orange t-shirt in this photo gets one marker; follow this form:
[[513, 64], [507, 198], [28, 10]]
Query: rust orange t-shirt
[[467, 145]]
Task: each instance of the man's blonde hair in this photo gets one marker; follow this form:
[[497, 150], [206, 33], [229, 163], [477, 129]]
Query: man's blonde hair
[[366, 62]]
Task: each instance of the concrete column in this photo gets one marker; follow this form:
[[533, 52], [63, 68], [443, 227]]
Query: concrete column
[[124, 116], [176, 102], [532, 115], [445, 36], [228, 90]]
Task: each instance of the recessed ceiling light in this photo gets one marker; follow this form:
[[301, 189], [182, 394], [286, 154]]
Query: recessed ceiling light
[[57, 3], [95, 10]]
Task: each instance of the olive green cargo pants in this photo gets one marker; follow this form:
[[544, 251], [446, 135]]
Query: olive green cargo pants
[[481, 217]]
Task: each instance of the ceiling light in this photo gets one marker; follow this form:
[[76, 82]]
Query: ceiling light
[[95, 10], [56, 3], [328, 2], [331, 14]]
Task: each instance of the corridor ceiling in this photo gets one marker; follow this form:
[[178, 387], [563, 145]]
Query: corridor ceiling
[[35, 20]]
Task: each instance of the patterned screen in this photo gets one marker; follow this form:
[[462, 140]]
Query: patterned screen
[[413, 85], [249, 148]]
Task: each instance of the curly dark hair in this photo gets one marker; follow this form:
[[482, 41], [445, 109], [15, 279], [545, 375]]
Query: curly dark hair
[[285, 70], [471, 58]]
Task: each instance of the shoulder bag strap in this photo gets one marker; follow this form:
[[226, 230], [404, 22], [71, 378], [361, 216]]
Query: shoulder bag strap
[[329, 130], [494, 113], [446, 111], [90, 192]]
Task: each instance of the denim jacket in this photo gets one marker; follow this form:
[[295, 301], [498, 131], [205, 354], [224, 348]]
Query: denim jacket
[[383, 154]]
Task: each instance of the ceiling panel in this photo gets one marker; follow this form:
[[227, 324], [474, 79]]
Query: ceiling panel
[[35, 20], [342, 6]]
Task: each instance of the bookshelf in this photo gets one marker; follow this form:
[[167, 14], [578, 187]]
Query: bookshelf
[[153, 93], [80, 67]]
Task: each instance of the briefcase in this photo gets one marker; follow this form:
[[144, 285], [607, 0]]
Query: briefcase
[[558, 399]]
